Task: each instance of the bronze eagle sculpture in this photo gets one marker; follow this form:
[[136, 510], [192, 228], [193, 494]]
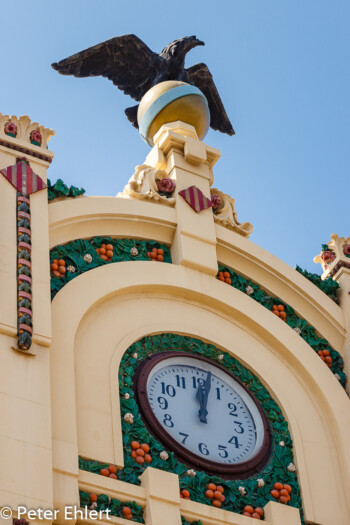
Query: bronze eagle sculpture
[[134, 68]]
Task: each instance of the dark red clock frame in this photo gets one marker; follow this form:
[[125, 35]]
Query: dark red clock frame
[[243, 470]]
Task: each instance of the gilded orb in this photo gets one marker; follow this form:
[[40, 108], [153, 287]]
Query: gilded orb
[[171, 101]]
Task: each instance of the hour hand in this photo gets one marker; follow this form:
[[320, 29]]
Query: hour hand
[[202, 397], [202, 410]]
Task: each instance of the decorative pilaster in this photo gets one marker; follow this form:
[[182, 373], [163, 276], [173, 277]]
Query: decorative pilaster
[[26, 182], [335, 257], [25, 314], [21, 138], [335, 261], [277, 514], [189, 162], [24, 278], [163, 497]]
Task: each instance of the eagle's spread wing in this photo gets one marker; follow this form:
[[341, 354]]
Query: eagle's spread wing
[[201, 77], [125, 60]]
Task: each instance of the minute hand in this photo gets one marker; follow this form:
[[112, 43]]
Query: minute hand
[[203, 399]]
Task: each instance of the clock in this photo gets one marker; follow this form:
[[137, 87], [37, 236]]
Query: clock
[[202, 413]]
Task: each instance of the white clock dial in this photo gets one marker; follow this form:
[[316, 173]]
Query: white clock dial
[[205, 410]]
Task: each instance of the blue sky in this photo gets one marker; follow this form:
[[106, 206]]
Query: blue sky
[[281, 68]]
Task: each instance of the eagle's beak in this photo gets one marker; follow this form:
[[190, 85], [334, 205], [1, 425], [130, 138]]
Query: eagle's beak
[[194, 42]]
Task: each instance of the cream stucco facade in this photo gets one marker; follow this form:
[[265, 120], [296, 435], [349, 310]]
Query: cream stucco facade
[[60, 400]]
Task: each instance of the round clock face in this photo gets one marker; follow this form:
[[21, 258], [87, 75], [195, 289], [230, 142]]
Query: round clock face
[[202, 413]]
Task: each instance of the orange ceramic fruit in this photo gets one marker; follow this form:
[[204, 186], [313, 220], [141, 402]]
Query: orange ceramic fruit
[[209, 494]]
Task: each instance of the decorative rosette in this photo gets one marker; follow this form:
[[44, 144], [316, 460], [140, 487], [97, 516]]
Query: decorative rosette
[[216, 201], [346, 250], [11, 129], [36, 138], [327, 257], [165, 185]]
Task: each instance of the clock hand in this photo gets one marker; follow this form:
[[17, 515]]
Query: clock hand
[[207, 387], [202, 397], [199, 394]]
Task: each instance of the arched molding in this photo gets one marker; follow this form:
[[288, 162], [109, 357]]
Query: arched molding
[[279, 279], [86, 217], [99, 314]]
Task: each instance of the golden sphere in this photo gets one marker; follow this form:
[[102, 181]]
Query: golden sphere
[[170, 101]]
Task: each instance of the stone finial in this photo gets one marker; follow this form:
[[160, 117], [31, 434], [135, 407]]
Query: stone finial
[[23, 129], [336, 257]]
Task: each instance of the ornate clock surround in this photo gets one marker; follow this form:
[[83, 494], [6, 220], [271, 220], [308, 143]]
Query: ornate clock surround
[[254, 490]]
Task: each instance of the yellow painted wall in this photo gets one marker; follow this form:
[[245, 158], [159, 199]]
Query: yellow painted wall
[[66, 396]]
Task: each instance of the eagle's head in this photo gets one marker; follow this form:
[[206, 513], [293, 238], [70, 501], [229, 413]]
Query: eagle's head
[[181, 46]]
